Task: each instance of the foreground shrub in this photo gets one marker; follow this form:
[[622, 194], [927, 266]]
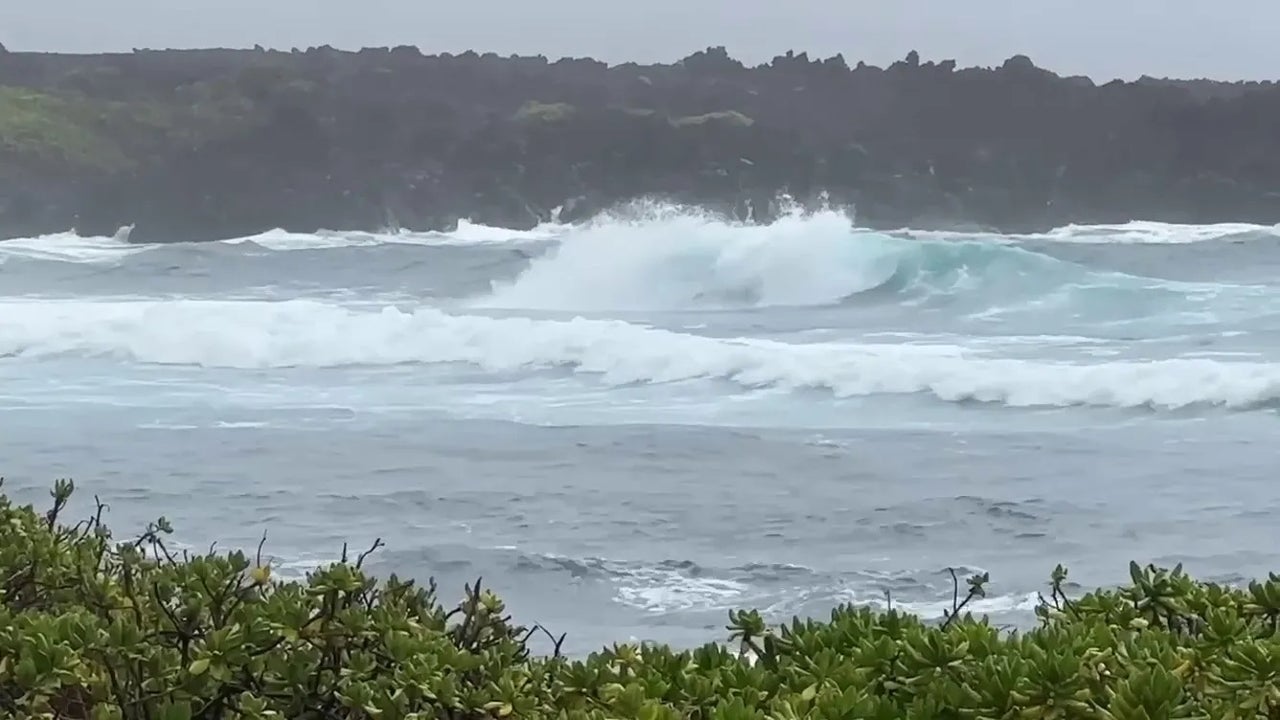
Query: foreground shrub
[[91, 627]]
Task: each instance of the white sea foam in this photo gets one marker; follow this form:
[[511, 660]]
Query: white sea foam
[[732, 251], [659, 590], [467, 233], [1136, 232], [1154, 233], [303, 333], [680, 260], [70, 247]]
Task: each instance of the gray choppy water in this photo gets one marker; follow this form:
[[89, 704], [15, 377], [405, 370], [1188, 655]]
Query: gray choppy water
[[632, 426]]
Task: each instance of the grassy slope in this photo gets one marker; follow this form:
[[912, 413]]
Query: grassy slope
[[67, 132]]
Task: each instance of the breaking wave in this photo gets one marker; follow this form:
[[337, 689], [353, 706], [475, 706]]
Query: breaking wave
[[678, 261], [305, 333]]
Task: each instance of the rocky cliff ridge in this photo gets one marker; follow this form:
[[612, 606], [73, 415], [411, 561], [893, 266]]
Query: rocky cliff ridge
[[201, 144]]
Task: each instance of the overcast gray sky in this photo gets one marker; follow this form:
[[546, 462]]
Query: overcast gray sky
[[1226, 39]]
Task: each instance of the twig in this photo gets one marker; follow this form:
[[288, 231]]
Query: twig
[[377, 543], [257, 559]]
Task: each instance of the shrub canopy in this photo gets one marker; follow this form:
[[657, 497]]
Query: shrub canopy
[[93, 627]]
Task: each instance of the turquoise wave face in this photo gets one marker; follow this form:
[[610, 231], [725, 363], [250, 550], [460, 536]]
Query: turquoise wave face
[[953, 268], [1000, 278]]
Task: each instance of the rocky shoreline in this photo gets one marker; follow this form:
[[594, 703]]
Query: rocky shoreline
[[206, 144]]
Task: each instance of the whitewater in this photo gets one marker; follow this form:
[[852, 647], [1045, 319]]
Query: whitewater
[[630, 425]]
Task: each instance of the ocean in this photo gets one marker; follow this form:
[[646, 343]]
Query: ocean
[[628, 427]]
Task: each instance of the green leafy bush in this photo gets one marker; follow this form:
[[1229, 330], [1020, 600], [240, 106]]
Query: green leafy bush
[[92, 627]]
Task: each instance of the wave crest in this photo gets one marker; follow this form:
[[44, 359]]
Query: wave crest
[[300, 333], [692, 260]]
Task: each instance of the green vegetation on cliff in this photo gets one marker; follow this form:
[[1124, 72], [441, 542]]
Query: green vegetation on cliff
[[62, 133], [728, 117], [95, 627], [55, 130], [544, 112]]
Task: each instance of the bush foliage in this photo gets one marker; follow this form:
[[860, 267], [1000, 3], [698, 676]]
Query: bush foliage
[[92, 627]]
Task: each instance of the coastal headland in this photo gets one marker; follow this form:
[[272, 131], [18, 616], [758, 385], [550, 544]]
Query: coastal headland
[[215, 143]]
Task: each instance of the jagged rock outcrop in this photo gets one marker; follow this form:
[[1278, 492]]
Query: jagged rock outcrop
[[195, 144]]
